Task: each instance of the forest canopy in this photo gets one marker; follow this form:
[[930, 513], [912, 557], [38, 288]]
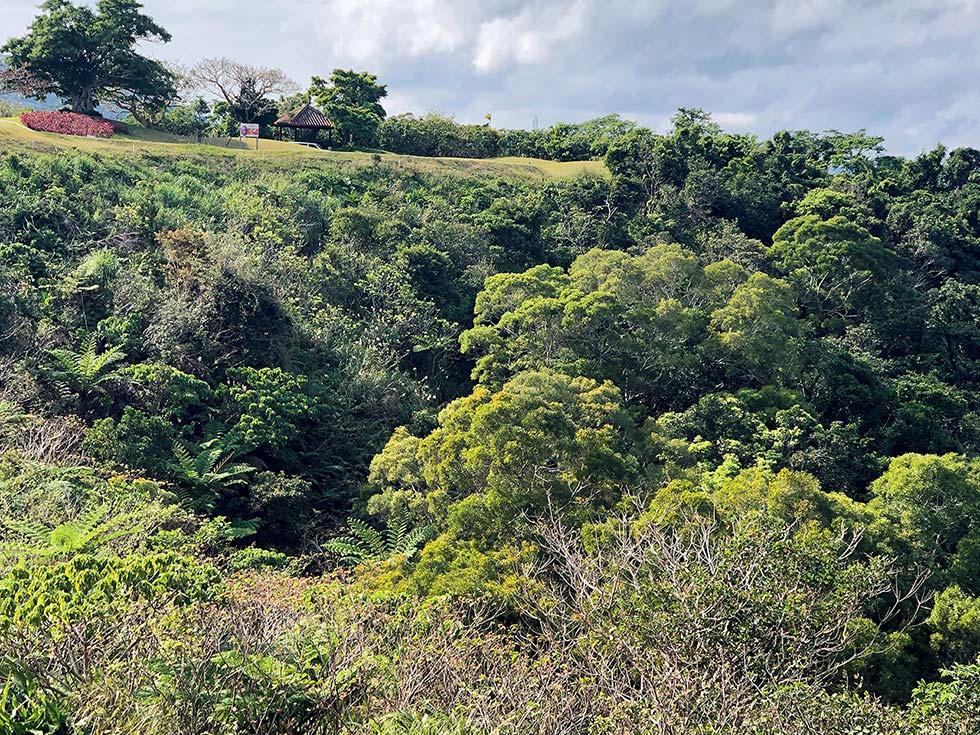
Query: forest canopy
[[693, 447]]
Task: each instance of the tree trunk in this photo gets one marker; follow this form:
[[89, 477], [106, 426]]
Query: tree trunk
[[82, 102]]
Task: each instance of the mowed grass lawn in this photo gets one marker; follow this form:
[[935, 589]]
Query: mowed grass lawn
[[12, 133]]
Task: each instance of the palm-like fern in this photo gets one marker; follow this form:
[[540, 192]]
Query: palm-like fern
[[206, 473], [92, 531], [88, 369], [364, 543], [11, 419]]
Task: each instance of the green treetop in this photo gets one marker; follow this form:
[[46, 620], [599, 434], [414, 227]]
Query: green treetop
[[87, 56], [352, 100]]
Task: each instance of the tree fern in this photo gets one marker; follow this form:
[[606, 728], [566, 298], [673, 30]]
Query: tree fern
[[88, 369], [91, 531], [205, 473], [364, 543], [11, 418], [31, 532]]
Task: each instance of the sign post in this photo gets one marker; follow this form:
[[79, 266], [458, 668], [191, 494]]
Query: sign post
[[249, 130]]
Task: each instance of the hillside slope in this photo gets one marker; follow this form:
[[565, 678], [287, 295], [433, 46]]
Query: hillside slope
[[150, 141]]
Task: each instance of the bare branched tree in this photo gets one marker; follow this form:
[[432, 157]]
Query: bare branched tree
[[709, 624], [225, 79]]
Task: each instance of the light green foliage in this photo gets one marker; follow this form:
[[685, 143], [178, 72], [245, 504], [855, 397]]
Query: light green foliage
[[827, 203], [26, 708], [542, 441], [92, 532], [50, 597], [643, 322], [164, 390], [697, 442], [97, 270], [834, 262], [788, 497], [514, 318], [398, 465], [407, 723], [932, 506], [951, 706], [955, 622], [634, 320], [757, 328], [396, 476], [465, 568], [253, 558]]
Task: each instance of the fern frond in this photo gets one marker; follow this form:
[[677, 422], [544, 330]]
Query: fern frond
[[209, 461], [414, 540], [185, 463], [196, 500], [347, 548], [89, 519], [373, 541], [13, 549], [89, 367], [397, 529], [241, 529], [35, 532]]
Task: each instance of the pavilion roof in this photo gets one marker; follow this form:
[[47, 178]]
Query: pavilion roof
[[306, 116]]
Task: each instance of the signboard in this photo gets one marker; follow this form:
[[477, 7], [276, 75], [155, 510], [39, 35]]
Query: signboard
[[248, 130]]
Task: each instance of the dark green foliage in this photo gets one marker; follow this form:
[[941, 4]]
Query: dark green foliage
[[88, 56], [435, 135], [706, 429], [352, 102]]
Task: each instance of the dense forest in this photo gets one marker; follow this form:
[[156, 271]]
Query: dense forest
[[303, 447]]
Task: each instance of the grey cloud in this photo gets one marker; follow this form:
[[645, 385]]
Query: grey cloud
[[900, 68]]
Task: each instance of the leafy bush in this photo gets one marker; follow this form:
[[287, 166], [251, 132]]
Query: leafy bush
[[10, 109], [254, 558], [28, 709]]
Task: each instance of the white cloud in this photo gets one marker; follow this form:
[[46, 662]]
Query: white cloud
[[900, 68], [364, 31], [736, 120], [793, 16], [529, 36]]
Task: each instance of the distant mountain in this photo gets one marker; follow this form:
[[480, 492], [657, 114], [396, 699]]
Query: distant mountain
[[48, 103]]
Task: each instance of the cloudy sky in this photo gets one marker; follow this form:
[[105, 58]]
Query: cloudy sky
[[905, 69]]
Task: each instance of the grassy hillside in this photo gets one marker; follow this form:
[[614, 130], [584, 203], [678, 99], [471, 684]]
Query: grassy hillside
[[150, 141]]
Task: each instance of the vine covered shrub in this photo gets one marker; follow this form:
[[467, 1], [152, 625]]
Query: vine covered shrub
[[69, 123]]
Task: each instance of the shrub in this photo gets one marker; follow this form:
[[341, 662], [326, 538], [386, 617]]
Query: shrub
[[255, 558], [69, 123], [11, 109]]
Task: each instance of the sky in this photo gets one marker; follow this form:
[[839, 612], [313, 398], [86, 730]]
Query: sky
[[907, 70]]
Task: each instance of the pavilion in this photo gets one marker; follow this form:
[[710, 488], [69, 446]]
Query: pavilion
[[306, 117]]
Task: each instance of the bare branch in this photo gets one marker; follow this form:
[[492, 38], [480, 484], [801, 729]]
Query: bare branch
[[224, 78]]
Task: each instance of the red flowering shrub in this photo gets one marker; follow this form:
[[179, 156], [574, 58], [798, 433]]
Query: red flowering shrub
[[117, 127], [68, 123]]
